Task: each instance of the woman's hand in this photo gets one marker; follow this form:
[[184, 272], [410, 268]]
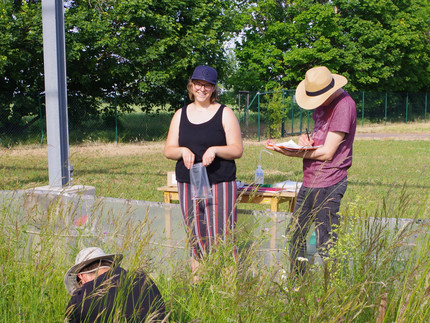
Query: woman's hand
[[209, 156], [188, 157]]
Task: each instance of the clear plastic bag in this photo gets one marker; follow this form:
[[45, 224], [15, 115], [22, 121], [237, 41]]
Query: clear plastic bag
[[200, 187]]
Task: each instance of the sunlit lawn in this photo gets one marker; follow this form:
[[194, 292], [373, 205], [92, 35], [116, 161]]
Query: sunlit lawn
[[134, 171]]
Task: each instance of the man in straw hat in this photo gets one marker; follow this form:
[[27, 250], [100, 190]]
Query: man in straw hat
[[104, 292], [327, 155]]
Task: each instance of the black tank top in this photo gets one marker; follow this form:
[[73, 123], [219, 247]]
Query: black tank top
[[198, 138]]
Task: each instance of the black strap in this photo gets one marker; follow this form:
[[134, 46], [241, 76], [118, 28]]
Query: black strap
[[316, 93]]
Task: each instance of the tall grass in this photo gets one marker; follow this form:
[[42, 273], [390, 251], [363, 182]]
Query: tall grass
[[381, 272]]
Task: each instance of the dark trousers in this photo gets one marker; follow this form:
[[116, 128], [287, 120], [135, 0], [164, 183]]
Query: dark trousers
[[319, 205]]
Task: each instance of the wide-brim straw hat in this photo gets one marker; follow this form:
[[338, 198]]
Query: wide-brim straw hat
[[85, 257], [319, 84]]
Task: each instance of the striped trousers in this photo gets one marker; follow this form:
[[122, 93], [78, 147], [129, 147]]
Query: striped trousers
[[210, 220]]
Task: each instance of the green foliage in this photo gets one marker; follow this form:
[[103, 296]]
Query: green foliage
[[274, 111], [125, 52], [21, 63], [141, 52], [377, 45], [387, 44], [145, 49]]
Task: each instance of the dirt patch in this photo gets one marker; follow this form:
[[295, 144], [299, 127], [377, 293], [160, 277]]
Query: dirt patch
[[112, 149], [393, 136], [105, 149], [120, 149]]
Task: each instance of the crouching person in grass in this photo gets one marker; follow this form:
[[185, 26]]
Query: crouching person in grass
[[104, 292]]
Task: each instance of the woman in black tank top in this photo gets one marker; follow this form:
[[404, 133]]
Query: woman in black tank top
[[205, 132]]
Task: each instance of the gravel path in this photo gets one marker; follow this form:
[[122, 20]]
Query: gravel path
[[395, 136]]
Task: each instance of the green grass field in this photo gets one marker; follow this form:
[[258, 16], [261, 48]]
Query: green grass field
[[380, 275], [134, 171]]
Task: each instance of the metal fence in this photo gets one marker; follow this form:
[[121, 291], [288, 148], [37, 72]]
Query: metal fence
[[257, 119], [260, 114]]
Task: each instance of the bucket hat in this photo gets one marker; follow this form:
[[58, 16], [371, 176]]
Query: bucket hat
[[319, 84], [205, 73], [85, 257]]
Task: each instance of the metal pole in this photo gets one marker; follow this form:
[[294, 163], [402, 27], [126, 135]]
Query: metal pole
[[307, 118], [4, 144], [247, 110], [425, 109], [41, 120], [301, 120], [292, 116], [362, 111], [54, 57], [283, 114], [386, 104], [258, 100], [116, 117], [239, 105], [407, 103]]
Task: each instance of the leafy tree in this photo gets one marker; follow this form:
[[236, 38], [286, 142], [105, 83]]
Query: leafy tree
[[388, 44], [377, 45], [21, 64], [145, 49]]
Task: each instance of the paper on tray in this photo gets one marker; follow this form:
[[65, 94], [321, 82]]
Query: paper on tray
[[289, 144], [290, 186]]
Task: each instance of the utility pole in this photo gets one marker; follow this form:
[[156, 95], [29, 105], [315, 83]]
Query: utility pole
[[54, 56]]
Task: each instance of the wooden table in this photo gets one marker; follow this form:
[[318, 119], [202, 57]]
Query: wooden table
[[272, 198]]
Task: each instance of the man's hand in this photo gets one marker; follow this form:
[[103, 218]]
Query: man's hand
[[305, 141]]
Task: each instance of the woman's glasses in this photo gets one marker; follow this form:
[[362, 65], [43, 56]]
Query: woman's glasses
[[207, 86]]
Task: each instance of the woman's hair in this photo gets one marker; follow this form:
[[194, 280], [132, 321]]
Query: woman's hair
[[214, 96]]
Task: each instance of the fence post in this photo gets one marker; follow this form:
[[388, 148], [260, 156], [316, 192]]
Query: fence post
[[4, 144], [116, 116], [386, 104], [407, 102], [301, 120], [247, 110], [292, 116], [425, 109], [238, 99], [283, 115], [41, 121], [258, 101], [362, 111]]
